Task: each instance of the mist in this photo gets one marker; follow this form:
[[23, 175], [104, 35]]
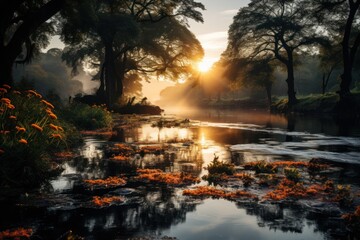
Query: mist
[[48, 73]]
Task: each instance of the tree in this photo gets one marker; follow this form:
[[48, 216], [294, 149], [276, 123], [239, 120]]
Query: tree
[[277, 28], [118, 35], [25, 29], [253, 73], [330, 59], [341, 17]]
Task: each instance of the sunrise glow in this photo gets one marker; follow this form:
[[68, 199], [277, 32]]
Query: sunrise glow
[[205, 65]]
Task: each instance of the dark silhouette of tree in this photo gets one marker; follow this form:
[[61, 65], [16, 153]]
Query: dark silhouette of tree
[[254, 73], [25, 29], [124, 36], [341, 17], [330, 60], [277, 28]]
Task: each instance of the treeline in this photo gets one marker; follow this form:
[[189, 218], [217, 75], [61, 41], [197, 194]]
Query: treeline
[[119, 39]]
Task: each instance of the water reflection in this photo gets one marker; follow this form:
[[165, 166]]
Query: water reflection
[[158, 211]]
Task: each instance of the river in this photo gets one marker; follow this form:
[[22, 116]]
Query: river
[[158, 212]]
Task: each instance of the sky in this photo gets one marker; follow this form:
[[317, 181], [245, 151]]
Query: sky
[[212, 34]]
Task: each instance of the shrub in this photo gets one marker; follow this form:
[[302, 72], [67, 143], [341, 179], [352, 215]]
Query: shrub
[[29, 132], [87, 117], [219, 167]]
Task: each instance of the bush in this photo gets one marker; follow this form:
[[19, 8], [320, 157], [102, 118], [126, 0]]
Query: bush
[[29, 132], [219, 167], [87, 117]]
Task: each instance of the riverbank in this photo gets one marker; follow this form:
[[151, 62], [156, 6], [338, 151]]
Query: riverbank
[[321, 104]]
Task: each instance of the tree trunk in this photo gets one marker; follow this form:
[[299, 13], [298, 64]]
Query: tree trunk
[[291, 82], [31, 22], [110, 74], [268, 93], [346, 77]]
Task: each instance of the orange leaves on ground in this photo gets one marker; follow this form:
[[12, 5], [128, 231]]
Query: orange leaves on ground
[[106, 201], [16, 233], [110, 181], [289, 189], [23, 141], [158, 176], [206, 191], [120, 158]]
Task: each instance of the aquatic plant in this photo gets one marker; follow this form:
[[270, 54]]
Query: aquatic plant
[[28, 134], [18, 233], [152, 149], [106, 201], [109, 182], [343, 195], [158, 176], [220, 167], [207, 191], [353, 220], [246, 178], [261, 167], [292, 174], [287, 189]]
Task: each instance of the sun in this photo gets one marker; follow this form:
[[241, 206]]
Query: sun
[[205, 65]]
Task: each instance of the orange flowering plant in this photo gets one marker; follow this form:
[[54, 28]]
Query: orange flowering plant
[[29, 132]]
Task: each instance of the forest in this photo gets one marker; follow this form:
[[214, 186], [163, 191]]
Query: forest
[[263, 143]]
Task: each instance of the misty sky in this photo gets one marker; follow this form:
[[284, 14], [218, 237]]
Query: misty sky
[[212, 34]]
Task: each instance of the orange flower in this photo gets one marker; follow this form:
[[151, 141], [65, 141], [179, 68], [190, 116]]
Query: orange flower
[[37, 127], [38, 95], [56, 135], [32, 92], [10, 106], [20, 129], [17, 92], [5, 100], [48, 104], [53, 116], [60, 128], [53, 127], [3, 90], [23, 141], [4, 132], [6, 86], [12, 117]]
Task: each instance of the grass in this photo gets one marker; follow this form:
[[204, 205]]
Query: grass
[[87, 117]]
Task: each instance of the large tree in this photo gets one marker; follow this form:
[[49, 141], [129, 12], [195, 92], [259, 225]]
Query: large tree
[[25, 29], [126, 32], [277, 28], [342, 18]]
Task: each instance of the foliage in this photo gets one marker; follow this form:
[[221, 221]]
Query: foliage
[[18, 233], [292, 174], [29, 131], [220, 167], [246, 178], [106, 201], [130, 40], [261, 167], [110, 181], [273, 30], [353, 220], [158, 176], [206, 191], [87, 117]]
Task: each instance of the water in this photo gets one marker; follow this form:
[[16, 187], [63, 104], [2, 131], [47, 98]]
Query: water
[[157, 211]]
